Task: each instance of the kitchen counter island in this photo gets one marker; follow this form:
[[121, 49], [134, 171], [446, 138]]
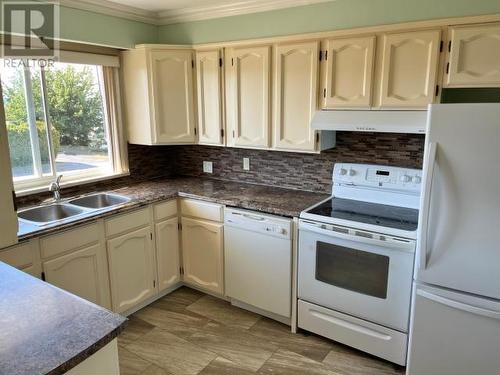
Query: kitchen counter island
[[45, 330]]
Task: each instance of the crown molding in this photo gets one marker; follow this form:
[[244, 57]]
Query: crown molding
[[183, 15]]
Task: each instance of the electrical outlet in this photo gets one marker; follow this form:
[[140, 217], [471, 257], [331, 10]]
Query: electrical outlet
[[208, 167], [246, 164]]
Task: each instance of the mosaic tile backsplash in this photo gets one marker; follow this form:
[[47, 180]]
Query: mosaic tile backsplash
[[311, 172], [301, 171]]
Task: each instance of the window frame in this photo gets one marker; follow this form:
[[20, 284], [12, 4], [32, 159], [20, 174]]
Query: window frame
[[115, 135]]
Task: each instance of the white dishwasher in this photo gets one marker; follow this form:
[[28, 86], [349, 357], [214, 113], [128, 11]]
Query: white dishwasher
[[258, 260]]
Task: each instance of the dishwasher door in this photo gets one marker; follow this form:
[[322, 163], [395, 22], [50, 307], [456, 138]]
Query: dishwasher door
[[258, 260]]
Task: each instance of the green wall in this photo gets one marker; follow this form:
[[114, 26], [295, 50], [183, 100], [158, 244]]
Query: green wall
[[339, 14], [83, 26], [88, 27]]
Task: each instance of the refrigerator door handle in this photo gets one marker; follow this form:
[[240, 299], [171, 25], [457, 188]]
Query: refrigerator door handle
[[459, 305], [426, 202]]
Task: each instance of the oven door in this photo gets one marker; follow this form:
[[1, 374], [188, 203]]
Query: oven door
[[360, 273]]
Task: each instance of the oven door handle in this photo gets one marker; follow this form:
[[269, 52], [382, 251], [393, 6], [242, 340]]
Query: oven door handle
[[350, 235]]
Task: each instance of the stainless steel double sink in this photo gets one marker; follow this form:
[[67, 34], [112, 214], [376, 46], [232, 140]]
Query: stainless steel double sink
[[71, 209]]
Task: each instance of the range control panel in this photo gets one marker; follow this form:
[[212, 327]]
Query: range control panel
[[380, 177]]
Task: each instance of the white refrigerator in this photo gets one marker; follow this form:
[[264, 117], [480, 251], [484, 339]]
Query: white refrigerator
[[455, 318]]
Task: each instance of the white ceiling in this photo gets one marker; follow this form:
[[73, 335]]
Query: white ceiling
[[171, 11]]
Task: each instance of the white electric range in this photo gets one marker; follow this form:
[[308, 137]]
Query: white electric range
[[356, 254]]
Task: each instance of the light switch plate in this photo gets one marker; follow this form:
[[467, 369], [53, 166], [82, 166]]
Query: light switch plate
[[246, 164], [208, 167]]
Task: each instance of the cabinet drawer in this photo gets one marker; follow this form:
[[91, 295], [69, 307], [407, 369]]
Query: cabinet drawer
[[127, 222], [202, 210], [360, 334], [20, 256], [165, 210], [72, 239]]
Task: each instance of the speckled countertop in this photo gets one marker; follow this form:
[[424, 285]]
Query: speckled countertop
[[268, 199], [45, 330]]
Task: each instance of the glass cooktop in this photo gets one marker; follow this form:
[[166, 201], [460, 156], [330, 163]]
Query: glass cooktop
[[368, 213]]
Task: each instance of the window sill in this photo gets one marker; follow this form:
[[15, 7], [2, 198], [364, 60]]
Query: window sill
[[76, 181]]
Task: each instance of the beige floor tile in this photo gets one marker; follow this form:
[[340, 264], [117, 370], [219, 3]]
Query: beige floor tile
[[131, 364], [182, 323], [175, 355], [155, 370], [236, 344], [222, 366], [347, 361], [223, 312], [284, 362], [134, 329], [178, 300], [306, 344]]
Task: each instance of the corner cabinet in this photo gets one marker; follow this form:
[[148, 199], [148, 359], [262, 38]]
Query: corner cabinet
[[209, 89], [474, 56], [409, 69], [159, 95], [349, 73], [248, 96]]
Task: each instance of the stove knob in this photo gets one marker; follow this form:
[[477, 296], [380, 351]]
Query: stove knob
[[352, 172], [405, 178], [417, 179], [343, 171]]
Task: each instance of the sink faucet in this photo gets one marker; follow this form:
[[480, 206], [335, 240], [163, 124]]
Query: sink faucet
[[56, 188]]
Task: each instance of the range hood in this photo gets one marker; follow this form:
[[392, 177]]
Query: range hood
[[371, 121]]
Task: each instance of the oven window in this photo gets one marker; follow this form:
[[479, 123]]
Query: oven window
[[351, 269]]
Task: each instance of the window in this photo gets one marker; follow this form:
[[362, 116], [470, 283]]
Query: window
[[58, 123]]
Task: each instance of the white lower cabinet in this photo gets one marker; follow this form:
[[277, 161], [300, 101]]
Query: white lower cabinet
[[24, 256], [202, 249], [167, 253], [75, 260], [131, 269], [78, 273]]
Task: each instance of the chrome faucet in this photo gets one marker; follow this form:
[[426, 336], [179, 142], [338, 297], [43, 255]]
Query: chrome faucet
[[56, 188]]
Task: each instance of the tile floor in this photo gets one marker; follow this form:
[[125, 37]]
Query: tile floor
[[191, 333]]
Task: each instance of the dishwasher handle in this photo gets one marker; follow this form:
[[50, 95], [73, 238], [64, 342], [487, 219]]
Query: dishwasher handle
[[264, 224]]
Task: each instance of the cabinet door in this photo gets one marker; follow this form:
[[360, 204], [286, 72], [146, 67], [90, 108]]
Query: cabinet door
[[8, 216], [202, 252], [248, 96], [349, 73], [81, 273], [131, 269], [409, 69], [474, 56], [296, 81], [24, 256], [167, 253], [172, 96], [209, 79]]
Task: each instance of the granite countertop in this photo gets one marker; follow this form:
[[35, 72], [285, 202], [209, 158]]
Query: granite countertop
[[45, 330], [267, 199]]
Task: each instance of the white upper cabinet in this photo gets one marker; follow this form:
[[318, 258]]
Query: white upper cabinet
[[349, 73], [248, 72], [295, 95], [209, 84], [474, 56], [8, 216], [159, 96], [409, 66]]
